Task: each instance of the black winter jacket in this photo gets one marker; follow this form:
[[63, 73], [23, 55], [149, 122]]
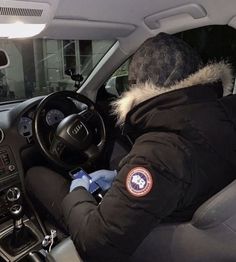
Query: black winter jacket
[[185, 151]]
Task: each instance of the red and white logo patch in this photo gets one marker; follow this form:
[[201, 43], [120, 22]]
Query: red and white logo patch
[[139, 181]]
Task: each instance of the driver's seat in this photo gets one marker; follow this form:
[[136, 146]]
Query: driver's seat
[[209, 236]]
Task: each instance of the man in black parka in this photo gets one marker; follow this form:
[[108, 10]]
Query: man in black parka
[[184, 152]]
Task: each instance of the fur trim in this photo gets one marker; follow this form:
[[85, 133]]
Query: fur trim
[[142, 92]]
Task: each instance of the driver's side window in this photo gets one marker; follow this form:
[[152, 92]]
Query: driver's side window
[[118, 82]]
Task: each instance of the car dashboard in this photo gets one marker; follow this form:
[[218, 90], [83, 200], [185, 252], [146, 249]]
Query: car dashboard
[[16, 137]]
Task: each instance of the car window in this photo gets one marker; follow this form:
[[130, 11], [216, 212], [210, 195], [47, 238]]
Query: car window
[[37, 67], [214, 43]]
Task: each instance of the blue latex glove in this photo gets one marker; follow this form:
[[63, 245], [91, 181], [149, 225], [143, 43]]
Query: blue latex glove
[[84, 182], [103, 178]]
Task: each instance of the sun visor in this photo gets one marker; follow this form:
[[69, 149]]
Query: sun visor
[[86, 29], [19, 19]]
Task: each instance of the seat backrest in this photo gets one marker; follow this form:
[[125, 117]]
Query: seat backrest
[[217, 209], [210, 236]]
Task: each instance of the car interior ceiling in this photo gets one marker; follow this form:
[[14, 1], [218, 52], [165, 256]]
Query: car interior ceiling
[[213, 43]]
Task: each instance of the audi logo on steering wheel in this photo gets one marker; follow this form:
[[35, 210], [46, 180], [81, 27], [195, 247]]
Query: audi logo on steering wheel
[[76, 129]]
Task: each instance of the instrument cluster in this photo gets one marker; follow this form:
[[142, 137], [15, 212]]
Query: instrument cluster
[[52, 117], [25, 126]]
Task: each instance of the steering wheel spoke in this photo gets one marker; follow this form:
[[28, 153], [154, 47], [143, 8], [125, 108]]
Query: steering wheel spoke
[[88, 115], [92, 152], [57, 147]]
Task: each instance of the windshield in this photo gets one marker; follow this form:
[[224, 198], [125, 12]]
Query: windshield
[[37, 67]]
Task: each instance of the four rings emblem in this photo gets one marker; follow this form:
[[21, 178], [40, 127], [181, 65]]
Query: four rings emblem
[[76, 129]]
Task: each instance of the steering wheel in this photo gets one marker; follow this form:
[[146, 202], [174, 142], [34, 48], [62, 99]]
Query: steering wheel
[[74, 132]]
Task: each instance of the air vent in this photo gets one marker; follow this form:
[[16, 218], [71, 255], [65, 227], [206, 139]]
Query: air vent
[[1, 135], [20, 11]]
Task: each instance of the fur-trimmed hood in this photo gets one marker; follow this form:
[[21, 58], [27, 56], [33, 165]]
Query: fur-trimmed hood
[[142, 92]]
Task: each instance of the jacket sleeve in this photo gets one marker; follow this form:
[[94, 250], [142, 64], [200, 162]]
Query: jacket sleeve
[[113, 230]]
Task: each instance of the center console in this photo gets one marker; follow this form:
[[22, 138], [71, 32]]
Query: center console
[[21, 240], [18, 233], [8, 178]]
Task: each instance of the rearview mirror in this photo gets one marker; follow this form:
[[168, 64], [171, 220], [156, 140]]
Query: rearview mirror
[[4, 59]]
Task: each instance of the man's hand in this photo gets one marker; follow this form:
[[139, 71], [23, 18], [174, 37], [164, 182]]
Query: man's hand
[[103, 178], [84, 182]]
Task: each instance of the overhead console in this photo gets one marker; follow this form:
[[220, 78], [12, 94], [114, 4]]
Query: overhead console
[[24, 18]]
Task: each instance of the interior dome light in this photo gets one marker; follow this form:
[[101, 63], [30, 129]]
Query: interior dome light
[[20, 30]]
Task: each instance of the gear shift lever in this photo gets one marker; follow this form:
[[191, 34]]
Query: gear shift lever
[[16, 212], [21, 237]]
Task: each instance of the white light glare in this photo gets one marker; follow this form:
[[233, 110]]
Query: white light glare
[[20, 30]]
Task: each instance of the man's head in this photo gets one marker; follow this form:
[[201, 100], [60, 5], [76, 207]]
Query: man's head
[[163, 64], [163, 60]]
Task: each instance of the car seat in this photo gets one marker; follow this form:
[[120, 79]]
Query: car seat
[[209, 236]]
